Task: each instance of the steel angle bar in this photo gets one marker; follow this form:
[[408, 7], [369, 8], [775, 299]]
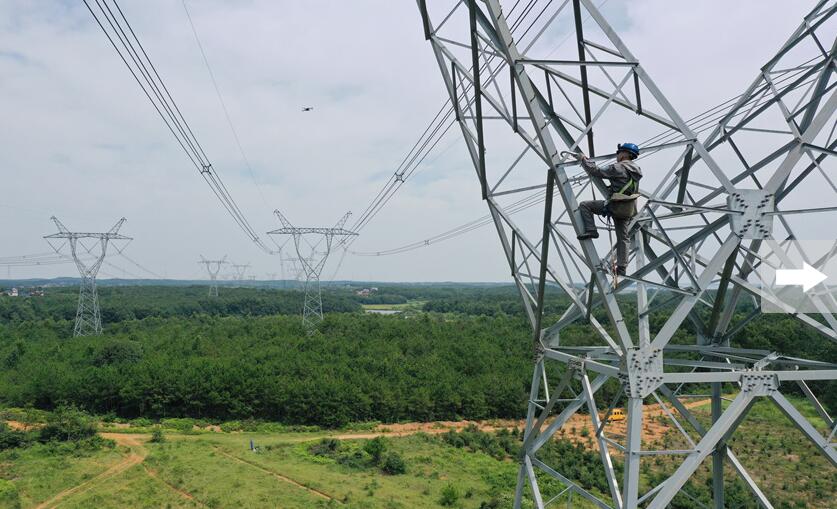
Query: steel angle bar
[[684, 307], [575, 487], [533, 482], [604, 94], [565, 415], [576, 63], [742, 472], [530, 415], [588, 363], [534, 430], [735, 376], [675, 289], [670, 361], [709, 208], [517, 190], [604, 452], [805, 426], [655, 92], [725, 424], [532, 249], [816, 403]]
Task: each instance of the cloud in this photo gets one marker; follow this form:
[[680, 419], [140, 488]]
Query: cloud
[[80, 141]]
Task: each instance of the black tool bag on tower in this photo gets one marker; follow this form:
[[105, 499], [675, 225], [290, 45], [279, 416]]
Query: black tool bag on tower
[[622, 205]]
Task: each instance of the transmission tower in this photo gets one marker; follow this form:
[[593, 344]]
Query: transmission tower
[[238, 271], [713, 218], [213, 267], [313, 262], [88, 316], [296, 268]]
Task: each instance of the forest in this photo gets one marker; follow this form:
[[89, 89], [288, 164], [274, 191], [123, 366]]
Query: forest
[[174, 352]]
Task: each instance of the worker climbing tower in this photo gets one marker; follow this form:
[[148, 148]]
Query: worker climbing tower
[[88, 315], [312, 262], [727, 198]]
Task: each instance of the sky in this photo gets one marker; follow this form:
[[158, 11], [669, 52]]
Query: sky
[[79, 141]]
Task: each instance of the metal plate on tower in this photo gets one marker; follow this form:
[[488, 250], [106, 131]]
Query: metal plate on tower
[[752, 216]]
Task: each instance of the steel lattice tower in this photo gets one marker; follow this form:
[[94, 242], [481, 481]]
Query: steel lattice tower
[[238, 270], [88, 315], [213, 267], [312, 263], [297, 270], [730, 189]]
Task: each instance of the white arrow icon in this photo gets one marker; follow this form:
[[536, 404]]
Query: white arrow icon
[[807, 277]]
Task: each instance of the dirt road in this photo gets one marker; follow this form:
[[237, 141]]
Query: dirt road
[[575, 426], [136, 455], [651, 428], [279, 476]]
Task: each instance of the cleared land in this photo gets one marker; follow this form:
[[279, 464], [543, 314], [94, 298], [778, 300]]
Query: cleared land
[[288, 470]]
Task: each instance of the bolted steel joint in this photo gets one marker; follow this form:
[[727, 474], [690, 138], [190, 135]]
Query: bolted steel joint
[[759, 384], [641, 371]]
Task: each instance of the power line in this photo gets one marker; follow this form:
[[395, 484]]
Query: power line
[[699, 123], [137, 265], [223, 104], [442, 121], [136, 59]]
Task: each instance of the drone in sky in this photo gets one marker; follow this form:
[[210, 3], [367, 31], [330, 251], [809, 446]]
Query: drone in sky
[[307, 108]]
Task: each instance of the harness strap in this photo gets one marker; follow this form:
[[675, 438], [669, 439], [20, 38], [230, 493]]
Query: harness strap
[[630, 184]]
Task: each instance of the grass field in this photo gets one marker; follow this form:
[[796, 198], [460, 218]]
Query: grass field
[[412, 305], [300, 470]]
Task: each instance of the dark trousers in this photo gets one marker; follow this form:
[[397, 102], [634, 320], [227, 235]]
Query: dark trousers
[[590, 207]]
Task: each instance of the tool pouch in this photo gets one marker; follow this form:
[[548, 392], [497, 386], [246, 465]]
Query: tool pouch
[[622, 206]]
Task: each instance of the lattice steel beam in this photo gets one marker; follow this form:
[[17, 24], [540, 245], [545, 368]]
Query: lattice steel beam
[[719, 192]]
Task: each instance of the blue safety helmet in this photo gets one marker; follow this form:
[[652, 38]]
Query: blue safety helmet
[[628, 147]]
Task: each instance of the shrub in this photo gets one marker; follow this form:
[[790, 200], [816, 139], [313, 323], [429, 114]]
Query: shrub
[[9, 496], [117, 351], [183, 424], [450, 496], [393, 464], [68, 423], [325, 447], [157, 436], [142, 422], [356, 459], [376, 448], [11, 439]]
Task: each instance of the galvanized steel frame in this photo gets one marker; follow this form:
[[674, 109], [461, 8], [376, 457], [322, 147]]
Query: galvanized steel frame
[[681, 262], [312, 262], [88, 316]]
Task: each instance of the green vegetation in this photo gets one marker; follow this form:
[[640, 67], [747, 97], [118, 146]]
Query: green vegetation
[[359, 368], [470, 469], [196, 379]]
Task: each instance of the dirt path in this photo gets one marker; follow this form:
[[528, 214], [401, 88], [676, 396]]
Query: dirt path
[[136, 455], [279, 476], [184, 494], [651, 428]]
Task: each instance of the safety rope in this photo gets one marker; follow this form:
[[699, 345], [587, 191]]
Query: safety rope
[[613, 262]]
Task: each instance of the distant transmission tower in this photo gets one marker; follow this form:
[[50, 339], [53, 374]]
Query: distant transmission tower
[[726, 196], [312, 265], [238, 270], [88, 316], [213, 267], [296, 268]]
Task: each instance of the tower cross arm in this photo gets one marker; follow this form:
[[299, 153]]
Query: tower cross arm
[[303, 231]]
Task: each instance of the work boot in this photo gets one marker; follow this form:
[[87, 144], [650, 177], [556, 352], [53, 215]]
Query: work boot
[[592, 234], [620, 271]]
